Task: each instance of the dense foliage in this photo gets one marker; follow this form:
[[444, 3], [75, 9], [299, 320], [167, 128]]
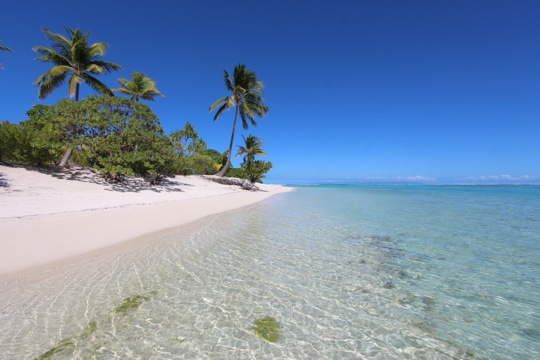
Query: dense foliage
[[114, 136], [121, 137]]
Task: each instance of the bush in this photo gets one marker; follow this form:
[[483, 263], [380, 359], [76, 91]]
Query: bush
[[256, 171], [26, 144], [122, 137], [197, 164]]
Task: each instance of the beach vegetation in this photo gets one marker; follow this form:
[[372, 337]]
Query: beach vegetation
[[268, 329], [120, 137], [187, 142], [253, 170], [189, 153], [246, 98], [29, 143], [256, 170], [139, 87], [115, 136], [74, 56]]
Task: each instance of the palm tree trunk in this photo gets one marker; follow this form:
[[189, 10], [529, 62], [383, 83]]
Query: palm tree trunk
[[226, 166], [69, 151], [77, 92], [66, 157]]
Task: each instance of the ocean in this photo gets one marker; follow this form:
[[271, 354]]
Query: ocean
[[341, 272]]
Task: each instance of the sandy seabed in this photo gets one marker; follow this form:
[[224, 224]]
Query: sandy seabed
[[52, 217]]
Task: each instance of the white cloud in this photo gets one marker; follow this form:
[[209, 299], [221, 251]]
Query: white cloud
[[420, 178], [504, 178]]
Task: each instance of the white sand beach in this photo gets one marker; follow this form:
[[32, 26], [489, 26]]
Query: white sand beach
[[49, 217]]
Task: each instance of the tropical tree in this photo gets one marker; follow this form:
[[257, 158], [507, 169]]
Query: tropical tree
[[73, 55], [246, 98], [140, 87], [186, 142], [4, 48], [252, 146], [253, 170]]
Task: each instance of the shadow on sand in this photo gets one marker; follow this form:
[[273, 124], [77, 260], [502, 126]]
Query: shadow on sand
[[75, 173], [3, 181]]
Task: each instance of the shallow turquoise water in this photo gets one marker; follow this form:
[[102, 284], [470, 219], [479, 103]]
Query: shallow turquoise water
[[350, 272]]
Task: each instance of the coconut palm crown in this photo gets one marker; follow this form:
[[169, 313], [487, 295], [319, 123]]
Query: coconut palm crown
[[246, 98], [73, 55], [252, 147], [140, 87]]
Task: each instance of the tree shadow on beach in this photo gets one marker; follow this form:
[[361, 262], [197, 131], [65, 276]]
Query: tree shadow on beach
[[139, 184], [3, 181], [76, 173]]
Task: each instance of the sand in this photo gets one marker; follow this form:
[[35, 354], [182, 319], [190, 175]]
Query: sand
[[47, 217]]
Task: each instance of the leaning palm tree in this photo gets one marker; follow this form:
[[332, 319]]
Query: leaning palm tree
[[73, 55], [140, 87], [4, 48], [247, 100], [252, 146]]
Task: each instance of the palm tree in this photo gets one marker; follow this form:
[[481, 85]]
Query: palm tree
[[254, 170], [140, 87], [246, 98], [253, 146], [73, 55], [4, 48]]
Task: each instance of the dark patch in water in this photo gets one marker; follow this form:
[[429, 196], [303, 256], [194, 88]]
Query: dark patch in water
[[389, 285], [531, 333], [131, 303], [268, 329], [402, 274], [408, 300], [427, 327], [429, 303], [69, 345]]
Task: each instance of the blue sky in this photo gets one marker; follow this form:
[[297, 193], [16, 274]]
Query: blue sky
[[360, 91]]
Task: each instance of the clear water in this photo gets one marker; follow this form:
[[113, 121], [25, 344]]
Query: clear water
[[350, 272]]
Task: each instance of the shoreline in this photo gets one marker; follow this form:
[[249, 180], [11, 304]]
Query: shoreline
[[95, 221]]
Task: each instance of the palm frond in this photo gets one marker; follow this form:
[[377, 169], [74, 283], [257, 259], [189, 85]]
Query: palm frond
[[94, 69], [97, 49], [53, 72], [108, 66], [50, 55], [50, 84], [220, 111], [97, 85], [219, 102], [5, 48]]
